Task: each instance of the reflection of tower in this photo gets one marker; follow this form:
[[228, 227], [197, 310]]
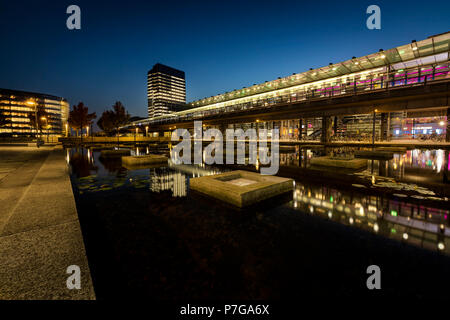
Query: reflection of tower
[[173, 181]]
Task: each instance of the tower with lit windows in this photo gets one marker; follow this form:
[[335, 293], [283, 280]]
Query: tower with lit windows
[[166, 90]]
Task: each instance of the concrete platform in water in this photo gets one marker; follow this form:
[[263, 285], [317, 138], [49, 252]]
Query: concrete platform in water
[[339, 163], [241, 188]]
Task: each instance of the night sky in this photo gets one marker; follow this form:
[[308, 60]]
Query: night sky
[[221, 45]]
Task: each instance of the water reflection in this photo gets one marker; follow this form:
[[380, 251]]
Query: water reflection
[[413, 223], [413, 165], [82, 160], [400, 216]]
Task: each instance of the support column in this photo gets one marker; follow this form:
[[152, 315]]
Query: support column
[[447, 135], [326, 130], [300, 130], [384, 134], [373, 128], [335, 122]]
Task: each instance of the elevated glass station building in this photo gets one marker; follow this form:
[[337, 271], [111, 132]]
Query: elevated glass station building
[[416, 64]]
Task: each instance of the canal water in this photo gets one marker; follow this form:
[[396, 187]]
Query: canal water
[[167, 241]]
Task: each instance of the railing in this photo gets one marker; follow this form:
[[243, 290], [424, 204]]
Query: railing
[[418, 76]]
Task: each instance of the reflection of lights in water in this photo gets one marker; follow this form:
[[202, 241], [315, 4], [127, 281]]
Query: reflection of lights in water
[[441, 246], [405, 236], [373, 180], [351, 220], [330, 214], [295, 204], [376, 227], [439, 160], [395, 166], [67, 156], [311, 209], [174, 181]]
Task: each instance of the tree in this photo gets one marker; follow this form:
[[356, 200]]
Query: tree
[[106, 122], [79, 117], [121, 116]]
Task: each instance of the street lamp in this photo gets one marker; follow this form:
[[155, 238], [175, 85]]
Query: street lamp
[[46, 125], [33, 103]]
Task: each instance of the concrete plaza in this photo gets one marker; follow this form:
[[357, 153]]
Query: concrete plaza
[[40, 234]]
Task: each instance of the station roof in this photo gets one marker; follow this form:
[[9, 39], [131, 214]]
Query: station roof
[[398, 56]]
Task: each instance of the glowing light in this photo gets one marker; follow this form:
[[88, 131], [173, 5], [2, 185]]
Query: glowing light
[[441, 246], [351, 220], [405, 236], [331, 199], [376, 227], [441, 123], [394, 213]]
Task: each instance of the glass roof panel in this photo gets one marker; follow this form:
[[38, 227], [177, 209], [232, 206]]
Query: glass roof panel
[[406, 52], [442, 43], [425, 47], [376, 59], [365, 63], [392, 55]]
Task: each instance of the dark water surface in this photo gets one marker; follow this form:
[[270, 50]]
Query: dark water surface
[[148, 235]]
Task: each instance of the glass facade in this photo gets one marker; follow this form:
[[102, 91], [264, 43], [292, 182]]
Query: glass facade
[[19, 108], [166, 90]]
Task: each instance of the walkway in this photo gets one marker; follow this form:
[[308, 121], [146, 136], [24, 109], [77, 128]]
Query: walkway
[[40, 234]]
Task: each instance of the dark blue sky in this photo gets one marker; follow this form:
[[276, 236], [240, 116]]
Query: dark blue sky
[[221, 45]]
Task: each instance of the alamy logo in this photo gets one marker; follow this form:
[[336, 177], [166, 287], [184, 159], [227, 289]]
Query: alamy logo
[[258, 151], [74, 20], [374, 20], [74, 280], [374, 281]]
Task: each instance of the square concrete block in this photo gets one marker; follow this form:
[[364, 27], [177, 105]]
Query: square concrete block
[[114, 153], [241, 188], [339, 163], [144, 160], [375, 154]]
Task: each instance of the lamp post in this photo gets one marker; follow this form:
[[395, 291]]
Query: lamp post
[[46, 125], [33, 103]]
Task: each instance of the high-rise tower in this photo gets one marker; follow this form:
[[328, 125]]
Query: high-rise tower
[[166, 90]]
